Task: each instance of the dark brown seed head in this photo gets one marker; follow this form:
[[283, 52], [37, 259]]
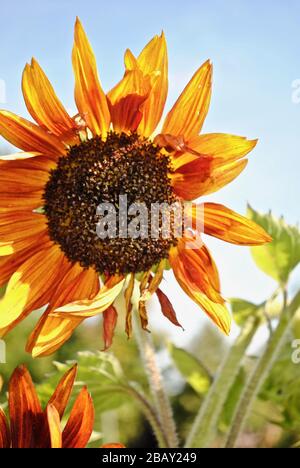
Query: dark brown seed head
[[97, 172]]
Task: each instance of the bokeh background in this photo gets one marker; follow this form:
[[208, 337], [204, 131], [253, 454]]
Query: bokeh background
[[255, 48]]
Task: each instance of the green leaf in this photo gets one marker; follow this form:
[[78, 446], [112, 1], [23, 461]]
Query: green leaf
[[191, 369], [242, 310], [278, 258]]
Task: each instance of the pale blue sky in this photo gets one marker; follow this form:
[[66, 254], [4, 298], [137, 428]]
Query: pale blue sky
[[255, 48]]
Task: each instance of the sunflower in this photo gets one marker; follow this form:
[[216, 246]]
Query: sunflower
[[70, 165], [32, 427]]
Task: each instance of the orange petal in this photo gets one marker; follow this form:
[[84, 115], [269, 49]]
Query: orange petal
[[125, 101], [31, 286], [113, 445], [28, 136], [17, 230], [153, 61], [167, 308], [29, 175], [17, 201], [25, 411], [54, 427], [196, 287], [42, 102], [80, 424], [202, 177], [51, 332], [223, 223], [11, 263], [90, 98], [189, 112], [95, 306], [4, 431], [201, 269], [62, 393], [110, 317]]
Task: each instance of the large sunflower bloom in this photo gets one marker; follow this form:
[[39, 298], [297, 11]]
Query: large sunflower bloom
[[50, 192], [30, 426]]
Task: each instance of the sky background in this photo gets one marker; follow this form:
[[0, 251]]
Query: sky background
[[255, 48]]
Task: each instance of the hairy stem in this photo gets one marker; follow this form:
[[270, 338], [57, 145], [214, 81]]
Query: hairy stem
[[260, 373], [147, 409], [160, 397], [205, 428]]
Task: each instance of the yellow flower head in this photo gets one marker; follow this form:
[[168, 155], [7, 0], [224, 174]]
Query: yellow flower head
[[50, 254]]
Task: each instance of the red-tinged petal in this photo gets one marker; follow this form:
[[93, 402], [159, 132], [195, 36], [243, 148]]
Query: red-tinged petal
[[26, 416], [201, 269], [201, 177], [42, 102], [110, 317], [196, 288], [167, 308], [89, 95], [4, 431], [62, 393], [125, 100], [54, 427], [126, 114], [28, 136], [225, 224], [80, 425], [187, 116]]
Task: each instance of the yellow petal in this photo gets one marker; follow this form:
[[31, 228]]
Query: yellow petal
[[130, 61], [19, 156], [90, 308], [189, 112], [54, 427], [42, 102], [89, 95], [30, 286], [28, 136], [222, 147], [51, 332], [153, 61]]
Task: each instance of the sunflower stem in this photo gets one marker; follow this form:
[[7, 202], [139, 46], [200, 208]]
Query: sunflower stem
[[160, 397], [260, 373], [205, 427]]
